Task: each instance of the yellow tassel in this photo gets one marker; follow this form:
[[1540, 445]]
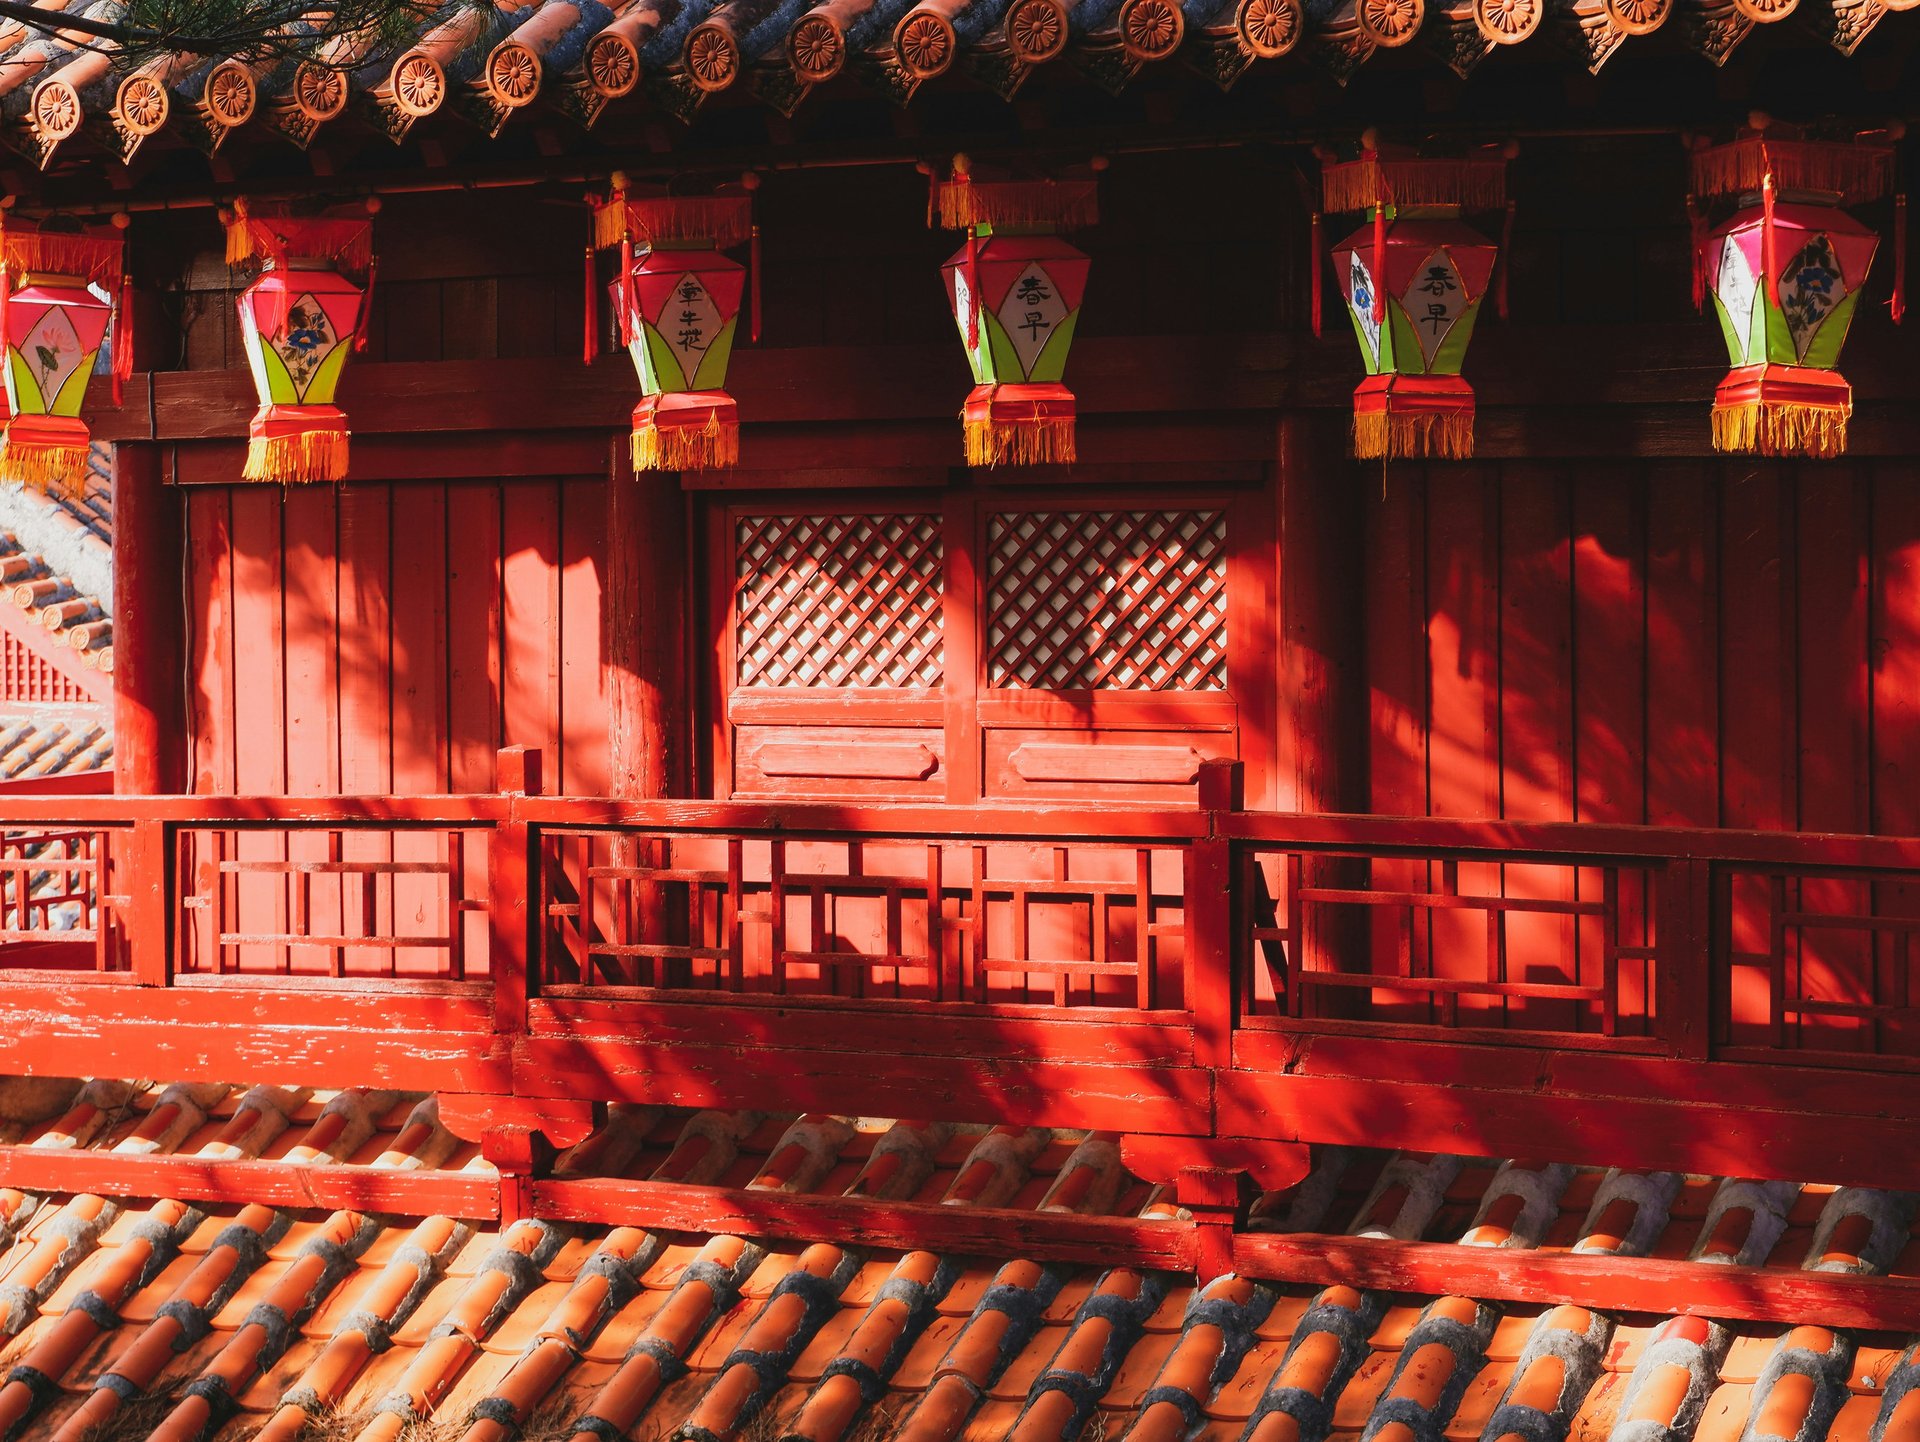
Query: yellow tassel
[[685, 448], [1358, 184], [720, 220], [298, 459], [609, 224], [89, 255], [1779, 428], [1858, 172], [1061, 204], [41, 467], [1447, 437], [1021, 443]]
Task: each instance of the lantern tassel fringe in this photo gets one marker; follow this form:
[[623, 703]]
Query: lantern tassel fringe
[[44, 467], [1038, 442], [1780, 428], [1379, 436], [1059, 204], [303, 457], [1359, 184], [722, 220], [265, 235], [91, 256], [1858, 172], [687, 448]]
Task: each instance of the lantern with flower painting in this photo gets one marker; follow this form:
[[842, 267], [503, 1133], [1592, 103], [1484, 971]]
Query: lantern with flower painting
[[1015, 288], [1785, 270], [299, 322], [57, 309], [1414, 278], [677, 300]]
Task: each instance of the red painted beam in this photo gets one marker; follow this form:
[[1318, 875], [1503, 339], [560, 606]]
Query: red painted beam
[[274, 1184], [974, 1231], [1609, 1284]]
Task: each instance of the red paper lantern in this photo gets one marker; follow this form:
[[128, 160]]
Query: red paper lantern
[[300, 321], [1015, 288], [1785, 272], [678, 299], [56, 314], [1414, 278]]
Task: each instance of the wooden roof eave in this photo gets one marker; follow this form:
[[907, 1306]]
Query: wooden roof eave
[[1715, 28], [609, 69], [1244, 32], [36, 117], [1464, 32], [554, 39], [1843, 24], [1592, 30], [1029, 34], [1113, 42]]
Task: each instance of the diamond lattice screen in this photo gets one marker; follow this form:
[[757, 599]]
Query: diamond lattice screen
[[838, 601], [1108, 600]]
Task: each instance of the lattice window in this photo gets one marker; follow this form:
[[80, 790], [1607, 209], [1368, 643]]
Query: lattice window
[[1108, 600], [838, 601]]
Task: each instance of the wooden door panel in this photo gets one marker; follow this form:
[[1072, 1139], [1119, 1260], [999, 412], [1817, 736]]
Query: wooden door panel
[[844, 760], [1160, 766]]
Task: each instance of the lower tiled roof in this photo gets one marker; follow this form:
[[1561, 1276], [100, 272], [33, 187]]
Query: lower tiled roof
[[170, 1320]]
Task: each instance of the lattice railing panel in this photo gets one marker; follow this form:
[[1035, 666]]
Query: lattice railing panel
[[1540, 948], [1108, 600], [838, 601], [924, 921], [1819, 963]]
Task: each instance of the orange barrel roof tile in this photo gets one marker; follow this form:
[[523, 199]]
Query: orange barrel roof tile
[[187, 1320]]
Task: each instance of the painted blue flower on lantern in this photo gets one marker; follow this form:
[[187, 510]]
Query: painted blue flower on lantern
[[304, 340], [1809, 290]]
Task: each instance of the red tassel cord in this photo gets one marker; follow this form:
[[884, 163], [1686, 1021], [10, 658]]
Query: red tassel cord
[[366, 307], [1504, 260], [973, 287], [1316, 243], [1769, 263], [123, 341], [1379, 262], [590, 326], [1897, 307], [1697, 240], [623, 292], [753, 277]]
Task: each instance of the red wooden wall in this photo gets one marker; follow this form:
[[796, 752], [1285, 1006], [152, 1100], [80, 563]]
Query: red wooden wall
[[390, 639], [1659, 640], [1678, 643]]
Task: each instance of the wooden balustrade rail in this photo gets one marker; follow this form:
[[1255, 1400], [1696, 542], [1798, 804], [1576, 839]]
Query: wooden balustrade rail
[[1739, 1002]]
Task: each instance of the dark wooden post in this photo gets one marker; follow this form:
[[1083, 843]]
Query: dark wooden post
[[1323, 711], [512, 912], [149, 631], [1322, 686], [648, 729], [646, 601]]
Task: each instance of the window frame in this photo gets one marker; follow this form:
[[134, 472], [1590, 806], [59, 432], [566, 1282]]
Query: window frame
[[966, 710]]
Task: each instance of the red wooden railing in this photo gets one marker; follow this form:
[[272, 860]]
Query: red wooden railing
[[1722, 1001]]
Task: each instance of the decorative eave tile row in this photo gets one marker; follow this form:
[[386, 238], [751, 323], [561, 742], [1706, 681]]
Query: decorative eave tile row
[[182, 1322], [491, 62]]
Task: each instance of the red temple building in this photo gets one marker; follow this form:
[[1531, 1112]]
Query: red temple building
[[764, 721]]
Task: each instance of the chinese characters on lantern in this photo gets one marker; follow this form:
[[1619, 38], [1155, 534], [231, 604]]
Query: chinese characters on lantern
[[678, 302]]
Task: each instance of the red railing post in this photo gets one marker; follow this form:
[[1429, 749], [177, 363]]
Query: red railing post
[[1209, 911], [147, 867], [1688, 956], [511, 913]]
